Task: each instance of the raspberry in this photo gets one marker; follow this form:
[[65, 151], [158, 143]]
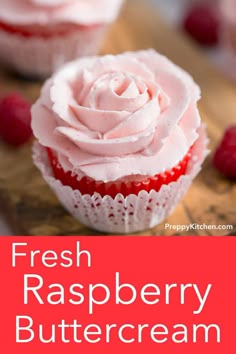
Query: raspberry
[[225, 156], [15, 119], [202, 23]]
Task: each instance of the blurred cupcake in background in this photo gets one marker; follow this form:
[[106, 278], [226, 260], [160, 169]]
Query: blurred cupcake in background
[[38, 36]]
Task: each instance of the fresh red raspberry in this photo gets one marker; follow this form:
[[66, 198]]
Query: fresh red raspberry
[[15, 119], [225, 156], [202, 23]]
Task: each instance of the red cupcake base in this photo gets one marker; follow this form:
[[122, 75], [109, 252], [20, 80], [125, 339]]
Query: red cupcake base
[[41, 31], [89, 186]]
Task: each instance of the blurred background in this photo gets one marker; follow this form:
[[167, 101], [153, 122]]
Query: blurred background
[[199, 19]]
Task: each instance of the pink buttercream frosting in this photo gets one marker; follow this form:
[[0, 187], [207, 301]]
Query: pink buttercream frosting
[[51, 12], [115, 116]]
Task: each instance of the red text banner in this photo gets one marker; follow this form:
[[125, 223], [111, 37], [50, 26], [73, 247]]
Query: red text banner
[[131, 295]]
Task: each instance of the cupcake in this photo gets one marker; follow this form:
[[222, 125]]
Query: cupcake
[[38, 36], [119, 139]]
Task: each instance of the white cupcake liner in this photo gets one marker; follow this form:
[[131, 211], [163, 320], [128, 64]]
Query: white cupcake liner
[[123, 214], [40, 57]]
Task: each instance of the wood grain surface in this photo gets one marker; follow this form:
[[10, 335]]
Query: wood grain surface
[[30, 206]]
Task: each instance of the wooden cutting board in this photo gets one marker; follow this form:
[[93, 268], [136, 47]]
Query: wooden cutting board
[[30, 206]]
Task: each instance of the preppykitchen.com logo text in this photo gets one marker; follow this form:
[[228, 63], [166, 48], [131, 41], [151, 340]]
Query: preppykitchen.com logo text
[[195, 226]]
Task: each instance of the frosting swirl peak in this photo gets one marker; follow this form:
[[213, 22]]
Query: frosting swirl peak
[[113, 116]]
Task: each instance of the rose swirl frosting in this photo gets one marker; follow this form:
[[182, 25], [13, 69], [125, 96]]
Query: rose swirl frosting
[[115, 116]]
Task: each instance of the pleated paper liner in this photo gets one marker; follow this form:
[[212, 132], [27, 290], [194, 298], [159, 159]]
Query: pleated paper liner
[[135, 212], [40, 56]]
